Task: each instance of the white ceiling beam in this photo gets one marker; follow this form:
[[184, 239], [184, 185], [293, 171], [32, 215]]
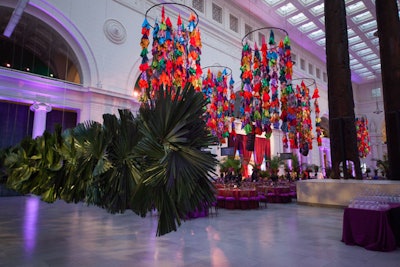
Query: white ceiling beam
[[15, 17]]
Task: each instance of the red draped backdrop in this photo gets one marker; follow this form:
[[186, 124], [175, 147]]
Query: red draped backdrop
[[262, 148]]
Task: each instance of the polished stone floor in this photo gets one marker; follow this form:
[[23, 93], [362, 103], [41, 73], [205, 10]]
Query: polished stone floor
[[34, 233]]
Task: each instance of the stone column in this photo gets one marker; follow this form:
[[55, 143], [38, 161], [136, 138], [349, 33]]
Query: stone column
[[39, 121], [342, 130], [387, 18]]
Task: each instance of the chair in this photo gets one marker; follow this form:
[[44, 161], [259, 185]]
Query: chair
[[293, 192], [272, 197], [230, 201], [284, 195], [244, 199], [221, 199], [254, 199], [262, 196]]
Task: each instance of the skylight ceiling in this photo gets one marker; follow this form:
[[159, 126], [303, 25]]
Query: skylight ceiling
[[305, 19]]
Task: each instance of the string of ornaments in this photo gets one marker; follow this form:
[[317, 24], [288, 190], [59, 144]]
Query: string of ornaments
[[363, 139], [218, 110], [175, 56], [176, 62], [268, 99]]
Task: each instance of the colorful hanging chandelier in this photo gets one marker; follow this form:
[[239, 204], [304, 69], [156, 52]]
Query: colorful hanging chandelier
[[175, 54], [218, 110], [363, 140], [266, 73], [298, 134]]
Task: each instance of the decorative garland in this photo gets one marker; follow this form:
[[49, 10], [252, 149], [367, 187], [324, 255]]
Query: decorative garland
[[318, 129], [215, 89], [264, 74], [304, 120], [176, 55], [363, 140]]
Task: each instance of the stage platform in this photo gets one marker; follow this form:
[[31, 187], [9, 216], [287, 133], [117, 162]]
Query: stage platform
[[339, 192]]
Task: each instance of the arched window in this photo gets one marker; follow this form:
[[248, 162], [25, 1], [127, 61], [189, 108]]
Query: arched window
[[37, 48]]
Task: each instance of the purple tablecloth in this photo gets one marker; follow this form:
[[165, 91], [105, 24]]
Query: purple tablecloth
[[370, 229]]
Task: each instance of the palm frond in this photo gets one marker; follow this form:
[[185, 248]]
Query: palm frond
[[177, 177]]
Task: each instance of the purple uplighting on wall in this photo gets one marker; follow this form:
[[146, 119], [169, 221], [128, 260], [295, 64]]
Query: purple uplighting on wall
[[30, 224]]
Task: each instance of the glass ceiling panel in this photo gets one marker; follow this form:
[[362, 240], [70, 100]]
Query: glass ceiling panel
[[370, 57], [362, 17], [273, 2], [370, 34], [317, 10], [316, 34], [366, 74], [308, 17], [297, 19], [307, 2], [350, 32], [358, 46], [361, 70], [375, 41], [321, 42], [354, 40], [374, 61], [309, 26], [356, 7], [286, 9], [368, 25], [357, 66], [376, 67], [354, 61], [364, 52]]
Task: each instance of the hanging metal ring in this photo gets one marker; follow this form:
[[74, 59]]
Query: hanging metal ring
[[263, 28], [171, 3], [220, 67], [307, 81]]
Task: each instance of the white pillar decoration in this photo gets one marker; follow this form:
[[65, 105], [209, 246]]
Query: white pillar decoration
[[39, 120]]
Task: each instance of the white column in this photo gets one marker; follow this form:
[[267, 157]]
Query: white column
[[321, 159], [276, 142], [39, 121]]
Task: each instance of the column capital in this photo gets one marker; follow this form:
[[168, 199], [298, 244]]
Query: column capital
[[40, 106]]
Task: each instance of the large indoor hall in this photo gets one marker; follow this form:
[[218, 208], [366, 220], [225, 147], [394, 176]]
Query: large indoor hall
[[221, 133]]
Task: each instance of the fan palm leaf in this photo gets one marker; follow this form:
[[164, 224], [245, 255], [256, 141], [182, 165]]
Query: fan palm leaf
[[118, 183], [92, 141], [176, 179]]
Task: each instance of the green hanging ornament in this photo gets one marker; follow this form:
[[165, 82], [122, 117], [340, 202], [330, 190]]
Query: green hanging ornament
[[271, 38], [247, 129], [286, 41]]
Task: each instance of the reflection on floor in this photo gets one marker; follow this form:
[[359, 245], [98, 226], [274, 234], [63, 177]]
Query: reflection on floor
[[34, 233]]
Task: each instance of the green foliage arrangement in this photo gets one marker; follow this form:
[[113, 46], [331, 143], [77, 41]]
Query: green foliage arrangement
[[156, 160], [274, 164], [231, 163], [383, 165]]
